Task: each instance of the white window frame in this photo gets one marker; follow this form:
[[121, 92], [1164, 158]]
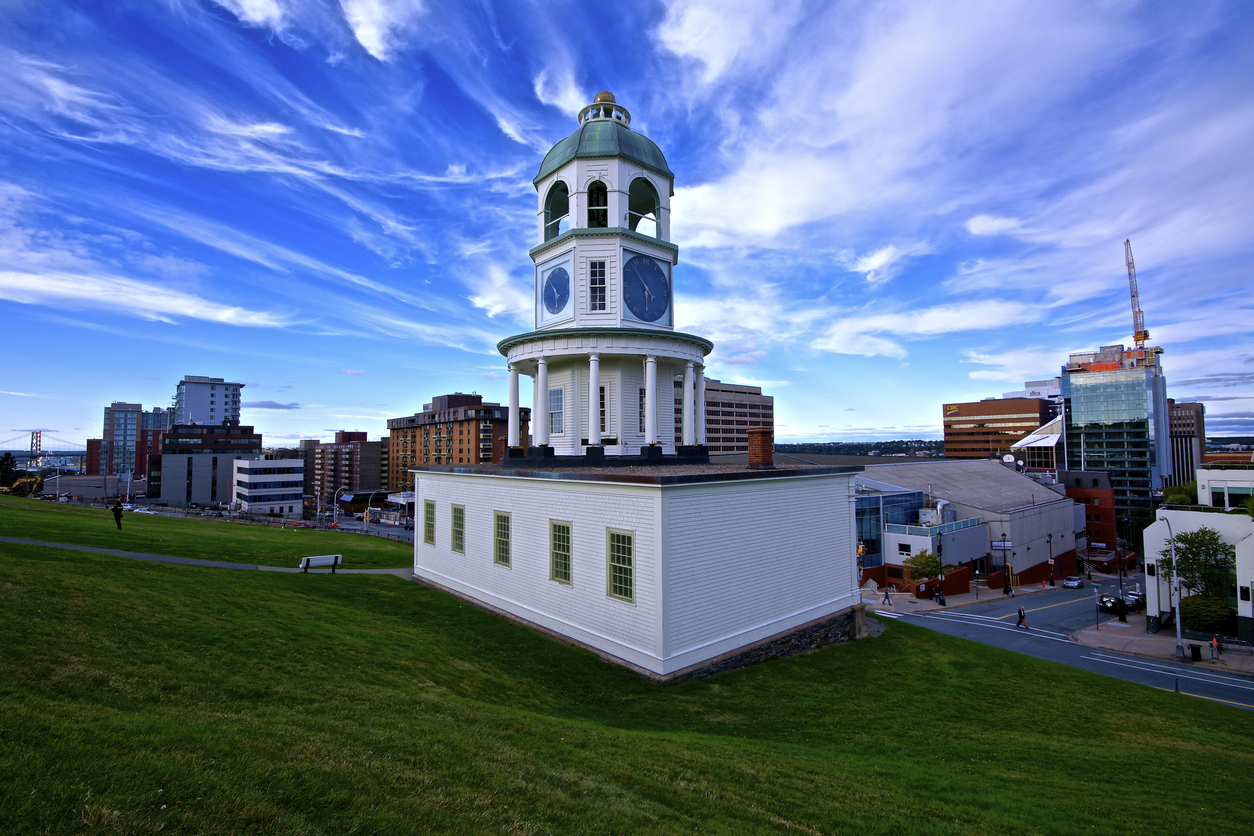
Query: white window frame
[[610, 565], [556, 413], [597, 295]]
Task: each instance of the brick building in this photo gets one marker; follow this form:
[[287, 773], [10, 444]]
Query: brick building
[[352, 462], [988, 428], [730, 410], [1093, 490], [452, 429]]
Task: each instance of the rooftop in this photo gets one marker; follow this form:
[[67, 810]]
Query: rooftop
[[985, 484], [662, 474]]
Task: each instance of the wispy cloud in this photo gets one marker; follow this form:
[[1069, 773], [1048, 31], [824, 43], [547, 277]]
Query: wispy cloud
[[353, 372], [268, 405]]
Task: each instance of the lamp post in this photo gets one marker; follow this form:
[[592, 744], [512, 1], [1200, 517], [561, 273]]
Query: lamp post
[[365, 522], [335, 507], [1175, 580], [1049, 538]]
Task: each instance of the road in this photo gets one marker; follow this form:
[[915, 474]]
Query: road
[[1052, 617]]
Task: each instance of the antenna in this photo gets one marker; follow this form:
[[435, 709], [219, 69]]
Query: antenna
[[1138, 319]]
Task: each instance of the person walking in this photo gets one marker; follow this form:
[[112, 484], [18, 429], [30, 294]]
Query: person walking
[[117, 514], [887, 600], [1023, 622]]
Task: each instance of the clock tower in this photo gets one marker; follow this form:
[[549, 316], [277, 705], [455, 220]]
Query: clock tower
[[604, 302]]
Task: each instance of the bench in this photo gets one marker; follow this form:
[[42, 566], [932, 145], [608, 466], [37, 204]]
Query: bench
[[332, 560]]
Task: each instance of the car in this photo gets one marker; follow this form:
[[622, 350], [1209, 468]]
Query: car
[[144, 511], [1108, 603], [1073, 582], [214, 514], [303, 525], [359, 516]]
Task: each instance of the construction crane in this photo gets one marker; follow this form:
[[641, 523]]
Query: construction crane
[[1138, 319]]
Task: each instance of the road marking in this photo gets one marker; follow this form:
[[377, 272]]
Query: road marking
[[1212, 699], [1174, 668], [1046, 607], [887, 614], [1225, 681], [1040, 634]]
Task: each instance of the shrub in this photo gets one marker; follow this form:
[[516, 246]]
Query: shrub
[[1206, 615]]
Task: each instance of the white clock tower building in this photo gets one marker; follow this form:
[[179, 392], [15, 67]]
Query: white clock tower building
[[604, 302]]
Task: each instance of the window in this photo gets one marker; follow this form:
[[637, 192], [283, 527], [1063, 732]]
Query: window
[[500, 551], [602, 409], [642, 396], [459, 529], [428, 522], [559, 551], [642, 208], [596, 285], [903, 549], [598, 205], [620, 552], [556, 211], [555, 411]]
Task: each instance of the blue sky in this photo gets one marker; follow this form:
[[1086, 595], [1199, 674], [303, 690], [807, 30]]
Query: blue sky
[[879, 207]]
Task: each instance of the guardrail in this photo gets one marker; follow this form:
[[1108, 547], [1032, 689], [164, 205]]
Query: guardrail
[[932, 530]]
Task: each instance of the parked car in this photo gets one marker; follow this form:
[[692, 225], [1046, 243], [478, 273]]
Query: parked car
[[214, 514], [359, 516], [144, 511], [303, 525], [1073, 582]]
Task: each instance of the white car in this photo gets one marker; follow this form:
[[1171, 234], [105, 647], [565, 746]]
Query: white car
[[144, 511], [1073, 582]]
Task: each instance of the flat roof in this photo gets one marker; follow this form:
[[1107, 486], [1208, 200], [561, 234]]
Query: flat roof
[[980, 483], [662, 474]]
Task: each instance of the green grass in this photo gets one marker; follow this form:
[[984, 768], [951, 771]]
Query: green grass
[[257, 702], [206, 538]]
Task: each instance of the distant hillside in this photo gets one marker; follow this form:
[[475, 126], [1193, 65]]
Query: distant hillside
[[907, 447]]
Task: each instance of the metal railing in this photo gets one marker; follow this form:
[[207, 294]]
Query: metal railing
[[932, 530]]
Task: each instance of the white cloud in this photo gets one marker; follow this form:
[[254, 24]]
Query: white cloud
[[991, 225], [557, 88], [886, 262], [726, 36], [882, 333], [352, 372], [497, 292], [381, 26]]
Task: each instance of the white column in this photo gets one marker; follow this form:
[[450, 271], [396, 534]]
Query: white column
[[594, 399], [513, 406], [700, 410], [687, 434], [540, 409], [650, 400]]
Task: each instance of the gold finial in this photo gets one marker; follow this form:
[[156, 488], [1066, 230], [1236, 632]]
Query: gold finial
[[605, 96]]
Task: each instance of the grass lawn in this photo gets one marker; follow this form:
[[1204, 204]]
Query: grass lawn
[[142, 697], [206, 538]]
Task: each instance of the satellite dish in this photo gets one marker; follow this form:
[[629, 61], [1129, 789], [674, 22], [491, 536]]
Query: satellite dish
[[1020, 462], [1008, 459]]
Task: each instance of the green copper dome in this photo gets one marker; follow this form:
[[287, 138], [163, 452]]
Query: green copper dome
[[605, 138]]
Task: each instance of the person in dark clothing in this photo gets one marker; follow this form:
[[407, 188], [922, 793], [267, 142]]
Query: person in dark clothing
[[1023, 622], [117, 514]]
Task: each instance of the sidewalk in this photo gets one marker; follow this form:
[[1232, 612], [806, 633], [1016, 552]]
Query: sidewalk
[[1111, 635]]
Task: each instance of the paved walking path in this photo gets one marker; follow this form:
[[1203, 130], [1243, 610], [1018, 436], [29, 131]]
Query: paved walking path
[[405, 573], [1111, 635]]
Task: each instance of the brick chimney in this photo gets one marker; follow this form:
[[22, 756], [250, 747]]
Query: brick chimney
[[761, 448]]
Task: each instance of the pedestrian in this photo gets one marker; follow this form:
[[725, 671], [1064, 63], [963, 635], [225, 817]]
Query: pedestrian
[[887, 600], [1023, 622], [117, 514], [1215, 647]]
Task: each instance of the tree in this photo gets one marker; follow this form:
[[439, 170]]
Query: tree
[[8, 469], [1205, 562], [923, 565], [1185, 494]]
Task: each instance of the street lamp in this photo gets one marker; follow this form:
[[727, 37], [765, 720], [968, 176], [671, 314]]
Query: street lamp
[[1049, 538], [335, 506], [365, 523], [1175, 579]]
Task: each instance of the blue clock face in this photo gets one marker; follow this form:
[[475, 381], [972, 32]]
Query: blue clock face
[[556, 290], [646, 289]]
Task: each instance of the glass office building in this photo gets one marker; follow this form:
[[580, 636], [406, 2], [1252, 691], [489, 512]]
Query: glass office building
[[1117, 422], [873, 510]]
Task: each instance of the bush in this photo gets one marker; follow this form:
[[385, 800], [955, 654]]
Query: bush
[[1207, 615]]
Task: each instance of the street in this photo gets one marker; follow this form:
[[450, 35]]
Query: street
[[1052, 616]]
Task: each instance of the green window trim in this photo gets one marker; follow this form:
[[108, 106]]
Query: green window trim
[[620, 552], [559, 551], [428, 522], [458, 539], [500, 538]]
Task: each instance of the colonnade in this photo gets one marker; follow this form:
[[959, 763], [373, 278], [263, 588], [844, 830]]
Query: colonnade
[[692, 421]]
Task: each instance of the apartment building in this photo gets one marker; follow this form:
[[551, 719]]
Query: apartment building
[[206, 400], [730, 410], [452, 429]]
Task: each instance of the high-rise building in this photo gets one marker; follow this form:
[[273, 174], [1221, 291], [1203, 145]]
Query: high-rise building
[[452, 429], [351, 462], [1187, 423], [1115, 407], [196, 463], [206, 400], [269, 486], [130, 435], [989, 428], [730, 410]]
